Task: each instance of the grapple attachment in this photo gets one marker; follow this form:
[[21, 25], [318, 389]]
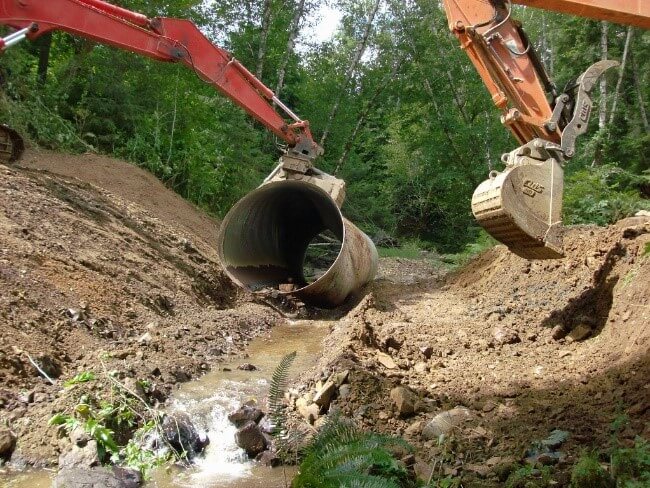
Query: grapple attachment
[[522, 206], [11, 144]]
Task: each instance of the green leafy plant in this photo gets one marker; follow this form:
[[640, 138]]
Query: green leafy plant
[[631, 466], [588, 473], [343, 455], [82, 377], [603, 195], [529, 477]]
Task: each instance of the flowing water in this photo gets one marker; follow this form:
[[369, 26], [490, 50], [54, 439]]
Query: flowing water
[[210, 399]]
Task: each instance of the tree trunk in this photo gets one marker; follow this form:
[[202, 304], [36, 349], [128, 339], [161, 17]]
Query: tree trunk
[[621, 73], [44, 58], [361, 48], [294, 29], [364, 114], [264, 35], [602, 107], [639, 95]]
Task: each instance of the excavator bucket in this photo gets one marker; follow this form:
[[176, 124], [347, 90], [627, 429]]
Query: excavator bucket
[[11, 144], [521, 207]]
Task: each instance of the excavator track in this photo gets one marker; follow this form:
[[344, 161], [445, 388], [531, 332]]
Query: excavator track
[[521, 208], [11, 144]]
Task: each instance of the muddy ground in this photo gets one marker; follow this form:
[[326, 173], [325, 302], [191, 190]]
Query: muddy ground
[[113, 272]]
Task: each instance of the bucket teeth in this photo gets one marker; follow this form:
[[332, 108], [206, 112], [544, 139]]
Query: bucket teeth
[[521, 208]]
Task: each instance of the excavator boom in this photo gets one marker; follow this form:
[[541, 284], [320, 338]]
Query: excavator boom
[[521, 206], [162, 39]]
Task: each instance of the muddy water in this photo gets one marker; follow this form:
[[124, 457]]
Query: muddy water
[[210, 399]]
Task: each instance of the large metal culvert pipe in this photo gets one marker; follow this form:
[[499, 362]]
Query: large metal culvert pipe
[[264, 240]]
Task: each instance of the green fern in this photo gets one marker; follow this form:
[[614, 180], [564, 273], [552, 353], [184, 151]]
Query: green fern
[[341, 455], [277, 410]]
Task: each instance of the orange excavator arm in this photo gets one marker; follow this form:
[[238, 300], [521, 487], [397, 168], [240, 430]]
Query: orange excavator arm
[[521, 206], [162, 39]]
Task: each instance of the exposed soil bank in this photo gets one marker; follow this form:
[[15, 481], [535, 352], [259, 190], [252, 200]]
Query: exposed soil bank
[[92, 280], [495, 338]]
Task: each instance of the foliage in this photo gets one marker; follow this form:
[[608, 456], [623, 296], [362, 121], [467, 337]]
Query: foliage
[[82, 377], [631, 466], [408, 250], [603, 195], [277, 408], [416, 130], [588, 473], [341, 455], [529, 477], [118, 422]]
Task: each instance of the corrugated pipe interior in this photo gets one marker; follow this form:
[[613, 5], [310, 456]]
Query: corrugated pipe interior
[[290, 236]]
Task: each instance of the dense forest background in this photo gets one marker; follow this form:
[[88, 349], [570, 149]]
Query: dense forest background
[[402, 114]]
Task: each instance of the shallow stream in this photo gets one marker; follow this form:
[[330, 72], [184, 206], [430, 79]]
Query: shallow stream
[[210, 399]]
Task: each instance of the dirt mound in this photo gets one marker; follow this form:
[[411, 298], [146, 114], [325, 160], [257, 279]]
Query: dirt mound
[[128, 182], [92, 281], [527, 347]]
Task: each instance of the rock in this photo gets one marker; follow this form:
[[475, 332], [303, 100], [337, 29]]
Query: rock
[[427, 351], [339, 378], [79, 437], [558, 332], [481, 470], [145, 338], [7, 443], [422, 471], [579, 333], [309, 411], [404, 399], [408, 460], [97, 477], [134, 386], [247, 367], [503, 336], [49, 365], [245, 414], [421, 367], [325, 394], [563, 354], [556, 438], [268, 458], [386, 361], [344, 391], [182, 435], [414, 429], [80, 457], [251, 439], [444, 422], [489, 406]]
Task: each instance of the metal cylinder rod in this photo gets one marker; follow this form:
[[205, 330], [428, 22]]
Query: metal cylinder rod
[[286, 109], [14, 38]]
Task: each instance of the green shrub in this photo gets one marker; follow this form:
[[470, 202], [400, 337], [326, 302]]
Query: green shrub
[[631, 466], [603, 195], [588, 473]]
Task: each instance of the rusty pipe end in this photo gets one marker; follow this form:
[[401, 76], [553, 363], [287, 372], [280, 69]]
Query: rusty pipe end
[[264, 241]]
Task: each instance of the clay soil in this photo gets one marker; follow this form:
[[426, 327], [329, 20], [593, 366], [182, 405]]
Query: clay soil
[[102, 268]]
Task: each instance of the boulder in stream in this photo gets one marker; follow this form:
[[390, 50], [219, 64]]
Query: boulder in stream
[[182, 435], [244, 414], [251, 439]]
